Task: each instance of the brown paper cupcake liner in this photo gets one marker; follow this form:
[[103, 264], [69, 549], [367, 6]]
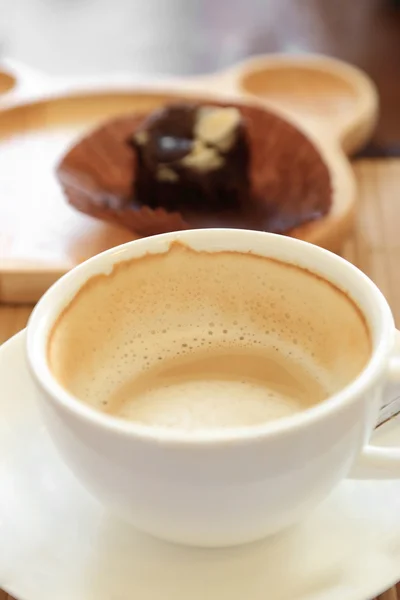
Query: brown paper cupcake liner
[[290, 182]]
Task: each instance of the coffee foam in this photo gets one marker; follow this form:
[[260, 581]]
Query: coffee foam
[[121, 331]]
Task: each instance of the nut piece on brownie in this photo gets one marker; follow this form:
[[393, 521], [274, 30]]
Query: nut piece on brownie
[[192, 157]]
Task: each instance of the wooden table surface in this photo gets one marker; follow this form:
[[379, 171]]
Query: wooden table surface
[[375, 248]]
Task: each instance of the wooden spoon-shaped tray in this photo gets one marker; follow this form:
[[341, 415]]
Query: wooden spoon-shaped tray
[[41, 236]]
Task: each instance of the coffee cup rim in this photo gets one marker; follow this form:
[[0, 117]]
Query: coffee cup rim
[[379, 320]]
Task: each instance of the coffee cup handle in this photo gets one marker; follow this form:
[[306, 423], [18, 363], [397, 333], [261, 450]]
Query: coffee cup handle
[[378, 462]]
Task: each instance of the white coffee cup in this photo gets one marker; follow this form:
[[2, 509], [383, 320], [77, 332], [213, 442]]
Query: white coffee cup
[[232, 486]]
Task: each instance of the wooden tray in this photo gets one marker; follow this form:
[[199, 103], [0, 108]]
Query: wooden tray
[[41, 237]]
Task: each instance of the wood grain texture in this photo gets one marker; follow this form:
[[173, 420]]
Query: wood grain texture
[[375, 248], [389, 595], [375, 245], [12, 320]]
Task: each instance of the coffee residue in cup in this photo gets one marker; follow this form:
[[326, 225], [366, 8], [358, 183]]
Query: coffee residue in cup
[[199, 340]]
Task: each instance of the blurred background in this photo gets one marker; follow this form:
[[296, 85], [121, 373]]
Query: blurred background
[[196, 36]]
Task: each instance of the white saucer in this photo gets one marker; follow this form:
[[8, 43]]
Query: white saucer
[[56, 542]]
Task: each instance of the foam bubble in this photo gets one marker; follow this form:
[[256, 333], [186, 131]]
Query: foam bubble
[[183, 303]]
